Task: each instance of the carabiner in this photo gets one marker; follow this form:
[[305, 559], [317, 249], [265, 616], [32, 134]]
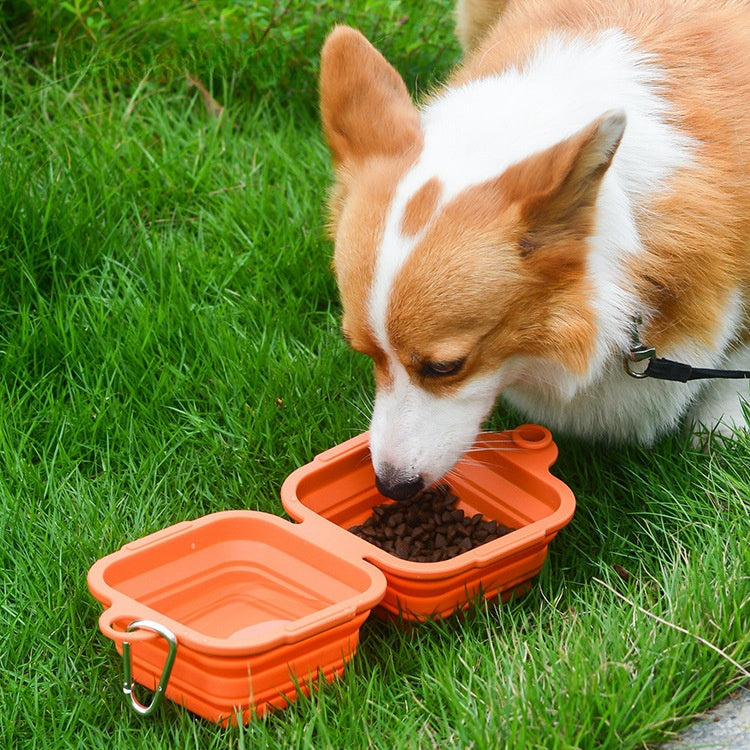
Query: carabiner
[[127, 666]]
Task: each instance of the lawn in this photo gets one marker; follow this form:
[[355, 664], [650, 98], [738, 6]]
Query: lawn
[[169, 347]]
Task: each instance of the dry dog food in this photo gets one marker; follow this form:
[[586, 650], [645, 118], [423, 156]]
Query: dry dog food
[[427, 527]]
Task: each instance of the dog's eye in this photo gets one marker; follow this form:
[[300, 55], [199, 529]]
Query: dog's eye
[[432, 369]]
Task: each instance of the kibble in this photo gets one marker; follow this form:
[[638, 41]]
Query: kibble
[[427, 527]]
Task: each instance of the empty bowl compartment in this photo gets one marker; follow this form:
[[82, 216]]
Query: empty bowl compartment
[[257, 608]]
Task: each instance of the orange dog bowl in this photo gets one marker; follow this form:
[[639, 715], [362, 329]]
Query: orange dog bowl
[[257, 609], [240, 611], [505, 478]]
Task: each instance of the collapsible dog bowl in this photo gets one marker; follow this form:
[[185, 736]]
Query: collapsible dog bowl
[[240, 611], [256, 606], [505, 477]]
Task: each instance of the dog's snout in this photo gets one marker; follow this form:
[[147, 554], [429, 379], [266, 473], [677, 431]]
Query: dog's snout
[[395, 484]]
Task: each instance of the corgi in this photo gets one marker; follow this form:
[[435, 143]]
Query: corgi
[[587, 166]]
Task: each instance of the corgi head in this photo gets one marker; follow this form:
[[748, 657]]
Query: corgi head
[[458, 276]]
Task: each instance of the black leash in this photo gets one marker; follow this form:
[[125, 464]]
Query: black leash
[[666, 369]]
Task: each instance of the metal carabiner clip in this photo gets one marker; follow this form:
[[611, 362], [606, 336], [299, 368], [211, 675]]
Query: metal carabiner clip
[[127, 666], [638, 351]]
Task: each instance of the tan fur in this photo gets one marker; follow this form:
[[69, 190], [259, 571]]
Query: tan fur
[[372, 129], [421, 207], [474, 18], [358, 231], [365, 108], [695, 221], [700, 240]]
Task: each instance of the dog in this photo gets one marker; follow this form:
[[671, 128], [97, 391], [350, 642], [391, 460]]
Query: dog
[[580, 184]]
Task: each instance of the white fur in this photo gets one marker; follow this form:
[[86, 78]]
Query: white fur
[[474, 132], [721, 407], [721, 402], [621, 406], [453, 421]]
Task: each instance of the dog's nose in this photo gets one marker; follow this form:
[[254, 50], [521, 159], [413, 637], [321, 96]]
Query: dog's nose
[[391, 483]]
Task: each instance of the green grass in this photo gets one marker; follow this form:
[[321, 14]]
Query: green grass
[[169, 347]]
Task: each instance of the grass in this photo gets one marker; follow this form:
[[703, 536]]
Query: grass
[[169, 347]]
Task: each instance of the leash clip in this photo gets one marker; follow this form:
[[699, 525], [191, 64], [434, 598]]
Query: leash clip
[[638, 351]]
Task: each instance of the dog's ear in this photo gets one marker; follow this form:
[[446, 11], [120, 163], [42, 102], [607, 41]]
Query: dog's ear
[[556, 189], [365, 107]]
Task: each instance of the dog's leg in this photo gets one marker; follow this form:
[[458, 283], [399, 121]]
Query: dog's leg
[[474, 18], [719, 408]]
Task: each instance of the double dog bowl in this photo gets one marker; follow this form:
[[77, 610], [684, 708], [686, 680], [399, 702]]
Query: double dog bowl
[[240, 611]]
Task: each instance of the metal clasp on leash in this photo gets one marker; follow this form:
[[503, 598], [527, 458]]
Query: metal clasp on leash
[[127, 666], [638, 351]]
